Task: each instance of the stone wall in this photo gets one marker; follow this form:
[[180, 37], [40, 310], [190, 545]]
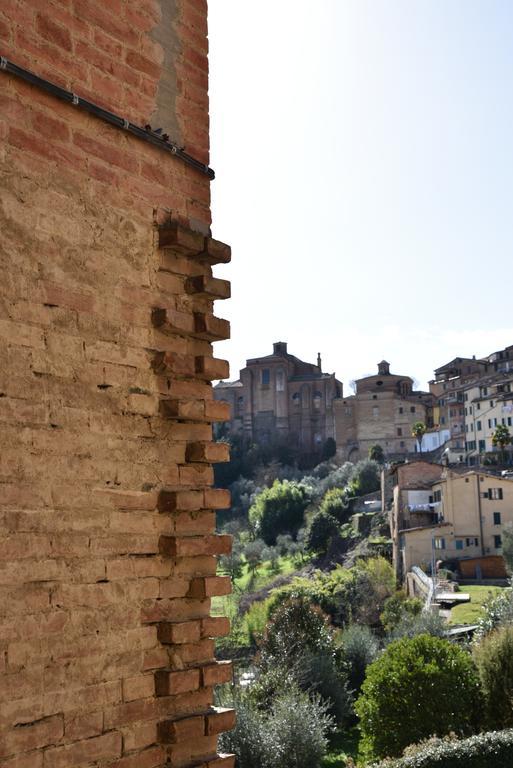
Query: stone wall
[[107, 517]]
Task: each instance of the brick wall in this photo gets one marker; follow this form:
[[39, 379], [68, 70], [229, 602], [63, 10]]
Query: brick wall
[[107, 544]]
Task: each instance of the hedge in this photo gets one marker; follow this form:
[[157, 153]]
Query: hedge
[[486, 750]]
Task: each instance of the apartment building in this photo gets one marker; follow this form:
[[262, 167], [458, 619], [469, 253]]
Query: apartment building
[[459, 520], [488, 404]]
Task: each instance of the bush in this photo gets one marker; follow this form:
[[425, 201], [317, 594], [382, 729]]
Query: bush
[[279, 509], [336, 504], [487, 750], [498, 611], [323, 527], [494, 659], [376, 453], [418, 688], [396, 608], [424, 623], [291, 734], [360, 648]]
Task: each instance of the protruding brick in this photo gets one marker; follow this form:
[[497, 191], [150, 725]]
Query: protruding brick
[[168, 683], [193, 410], [219, 720], [215, 626], [186, 501], [210, 586], [211, 368], [172, 321], [212, 453], [195, 546], [210, 328], [208, 287], [186, 729], [216, 674], [217, 410], [217, 498], [216, 252], [183, 241]]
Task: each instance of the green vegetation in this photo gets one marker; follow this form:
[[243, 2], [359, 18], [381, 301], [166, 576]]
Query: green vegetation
[[279, 509], [471, 613], [487, 750], [342, 745], [494, 659], [418, 687]]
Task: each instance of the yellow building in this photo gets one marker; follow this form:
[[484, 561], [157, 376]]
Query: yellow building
[[469, 513]]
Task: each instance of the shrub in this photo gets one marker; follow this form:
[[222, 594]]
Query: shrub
[[299, 642], [323, 527], [290, 734], [424, 623], [487, 750], [279, 509], [336, 504], [376, 453], [396, 607], [498, 611], [507, 546], [419, 687], [360, 647], [494, 659]]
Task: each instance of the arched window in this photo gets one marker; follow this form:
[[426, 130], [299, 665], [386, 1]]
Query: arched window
[[296, 399], [317, 398], [280, 380]]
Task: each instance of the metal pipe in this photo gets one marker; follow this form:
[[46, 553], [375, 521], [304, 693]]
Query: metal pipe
[[103, 114]]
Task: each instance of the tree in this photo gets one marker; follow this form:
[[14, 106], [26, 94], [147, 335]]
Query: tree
[[418, 431], [418, 688], [494, 659], [336, 504], [360, 647], [376, 453], [501, 438], [279, 509], [366, 477], [323, 528], [329, 448]]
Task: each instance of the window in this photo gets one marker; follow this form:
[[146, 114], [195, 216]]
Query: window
[[437, 496], [495, 493], [479, 426], [401, 443], [401, 409], [296, 399], [374, 397], [266, 377], [442, 420], [459, 543], [399, 432], [509, 421], [439, 542], [496, 518], [482, 445], [472, 542], [478, 406], [280, 380], [375, 412], [412, 409], [497, 541], [491, 403], [317, 400]]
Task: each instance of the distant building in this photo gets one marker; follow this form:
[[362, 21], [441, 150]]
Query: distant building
[[454, 517], [281, 399], [488, 404], [382, 411]]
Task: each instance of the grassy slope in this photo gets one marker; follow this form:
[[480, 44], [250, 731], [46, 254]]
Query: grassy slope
[[470, 613]]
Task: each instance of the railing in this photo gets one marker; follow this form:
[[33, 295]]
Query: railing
[[428, 587]]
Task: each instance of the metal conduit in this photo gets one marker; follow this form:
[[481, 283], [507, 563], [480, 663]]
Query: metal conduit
[[144, 134]]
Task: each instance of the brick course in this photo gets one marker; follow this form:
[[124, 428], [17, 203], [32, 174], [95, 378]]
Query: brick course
[[107, 521]]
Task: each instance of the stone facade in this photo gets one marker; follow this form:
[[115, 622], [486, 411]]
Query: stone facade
[[281, 399], [382, 411], [107, 515]]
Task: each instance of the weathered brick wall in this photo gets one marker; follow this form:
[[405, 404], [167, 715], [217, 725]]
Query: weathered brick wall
[[107, 545]]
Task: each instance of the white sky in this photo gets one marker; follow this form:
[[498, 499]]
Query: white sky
[[364, 160]]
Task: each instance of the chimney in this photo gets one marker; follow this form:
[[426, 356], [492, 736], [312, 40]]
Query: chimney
[[280, 348], [319, 362]]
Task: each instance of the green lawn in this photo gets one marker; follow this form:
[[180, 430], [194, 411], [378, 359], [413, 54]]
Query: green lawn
[[470, 613]]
